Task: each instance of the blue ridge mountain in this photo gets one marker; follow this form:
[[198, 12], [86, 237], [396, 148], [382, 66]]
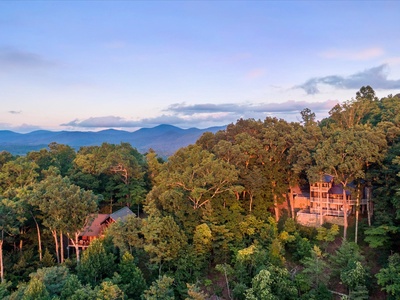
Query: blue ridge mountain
[[163, 139]]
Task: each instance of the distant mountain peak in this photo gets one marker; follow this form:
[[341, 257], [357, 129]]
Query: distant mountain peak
[[165, 139]]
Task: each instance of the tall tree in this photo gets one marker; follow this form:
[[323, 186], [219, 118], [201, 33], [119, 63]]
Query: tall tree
[[191, 184], [131, 281], [96, 264], [66, 208], [345, 154], [10, 218], [123, 164], [388, 277], [164, 240]]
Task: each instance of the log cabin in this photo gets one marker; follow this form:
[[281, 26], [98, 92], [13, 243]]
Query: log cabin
[[99, 223]]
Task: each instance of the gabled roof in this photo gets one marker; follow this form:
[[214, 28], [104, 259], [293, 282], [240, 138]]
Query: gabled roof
[[327, 178], [94, 229], [121, 214], [96, 226]]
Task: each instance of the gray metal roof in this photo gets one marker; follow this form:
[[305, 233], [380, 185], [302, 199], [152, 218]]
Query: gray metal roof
[[121, 214]]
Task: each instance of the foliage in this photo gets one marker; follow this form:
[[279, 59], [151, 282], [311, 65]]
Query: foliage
[[315, 268], [225, 202], [348, 253], [96, 264], [164, 240], [272, 283], [53, 278], [379, 236], [131, 280], [389, 277], [194, 293], [161, 289], [36, 290]]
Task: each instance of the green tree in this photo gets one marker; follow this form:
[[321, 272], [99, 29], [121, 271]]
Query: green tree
[[202, 242], [315, 268], [109, 291], [123, 165], [327, 235], [347, 253], [4, 289], [164, 240], [96, 263], [36, 290], [10, 218], [345, 155], [58, 155], [66, 208], [72, 284], [127, 234], [389, 277], [17, 175], [191, 184], [354, 276], [161, 289], [53, 278], [194, 293], [131, 281], [272, 283]]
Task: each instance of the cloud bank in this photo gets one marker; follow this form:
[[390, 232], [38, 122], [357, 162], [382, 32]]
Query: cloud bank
[[207, 115], [376, 77]]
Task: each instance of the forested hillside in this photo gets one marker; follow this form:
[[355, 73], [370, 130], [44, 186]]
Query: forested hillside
[[213, 221]]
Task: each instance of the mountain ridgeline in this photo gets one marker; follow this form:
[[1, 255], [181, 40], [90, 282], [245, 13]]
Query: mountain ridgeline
[[164, 139]]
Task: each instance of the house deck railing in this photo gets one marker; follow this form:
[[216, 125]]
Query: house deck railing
[[81, 244], [328, 212], [337, 201]]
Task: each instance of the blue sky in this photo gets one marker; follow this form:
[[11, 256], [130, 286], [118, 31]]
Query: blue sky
[[90, 65]]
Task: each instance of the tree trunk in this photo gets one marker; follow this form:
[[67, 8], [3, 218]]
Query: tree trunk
[[368, 190], [357, 212], [78, 256], [345, 214], [75, 243], [276, 209], [39, 237], [251, 202], [54, 232], [61, 248], [1, 258], [291, 202]]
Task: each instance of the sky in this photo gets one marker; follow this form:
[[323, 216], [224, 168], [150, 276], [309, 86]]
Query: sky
[[92, 65]]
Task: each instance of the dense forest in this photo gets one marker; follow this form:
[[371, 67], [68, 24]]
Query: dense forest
[[214, 220]]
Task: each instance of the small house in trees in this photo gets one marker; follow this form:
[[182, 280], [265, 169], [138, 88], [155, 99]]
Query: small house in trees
[[99, 223], [324, 202]]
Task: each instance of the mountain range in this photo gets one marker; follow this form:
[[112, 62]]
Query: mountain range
[[163, 139]]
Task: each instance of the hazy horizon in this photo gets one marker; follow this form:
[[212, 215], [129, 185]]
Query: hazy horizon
[[93, 65]]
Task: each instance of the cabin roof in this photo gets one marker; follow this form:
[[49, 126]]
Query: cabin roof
[[121, 214], [94, 229], [337, 189], [97, 225]]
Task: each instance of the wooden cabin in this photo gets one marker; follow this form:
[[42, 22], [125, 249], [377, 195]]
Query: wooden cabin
[[97, 226], [324, 200]]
